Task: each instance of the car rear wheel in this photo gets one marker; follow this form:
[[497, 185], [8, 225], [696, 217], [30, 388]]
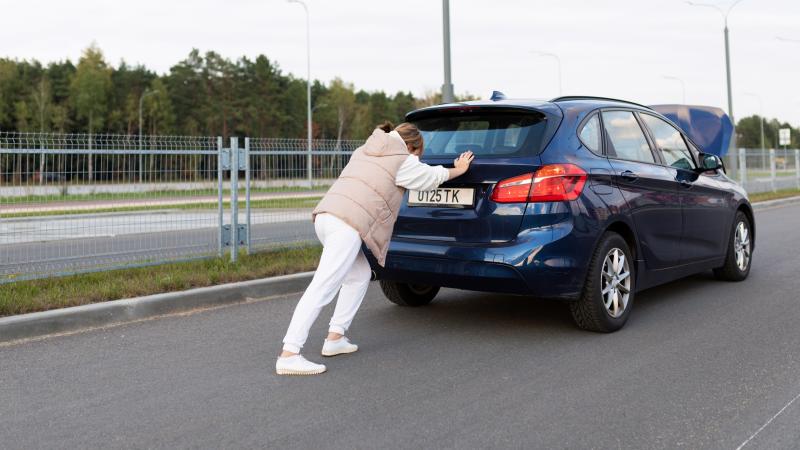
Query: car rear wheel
[[405, 294], [607, 296], [740, 251]]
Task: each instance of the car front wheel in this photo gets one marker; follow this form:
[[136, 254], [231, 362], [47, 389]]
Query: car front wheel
[[607, 296], [740, 251], [405, 294]]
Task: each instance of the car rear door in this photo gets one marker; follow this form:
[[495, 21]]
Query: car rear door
[[506, 143], [649, 188], [704, 206]]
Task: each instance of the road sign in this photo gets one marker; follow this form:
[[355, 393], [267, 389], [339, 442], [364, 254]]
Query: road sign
[[784, 136]]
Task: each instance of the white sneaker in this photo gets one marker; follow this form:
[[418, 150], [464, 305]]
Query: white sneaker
[[338, 347], [297, 365]]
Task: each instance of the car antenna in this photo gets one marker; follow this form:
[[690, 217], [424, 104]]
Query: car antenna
[[497, 95]]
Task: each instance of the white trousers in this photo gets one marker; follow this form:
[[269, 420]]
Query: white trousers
[[342, 268]]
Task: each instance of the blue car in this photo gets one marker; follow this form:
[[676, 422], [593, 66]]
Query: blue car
[[585, 199]]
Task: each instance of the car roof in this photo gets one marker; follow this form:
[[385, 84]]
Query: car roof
[[537, 105], [554, 107], [591, 102]]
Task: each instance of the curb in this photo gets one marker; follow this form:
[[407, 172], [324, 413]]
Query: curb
[[777, 202], [64, 320]]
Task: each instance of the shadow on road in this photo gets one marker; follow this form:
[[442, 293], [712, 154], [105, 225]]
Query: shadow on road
[[461, 311]]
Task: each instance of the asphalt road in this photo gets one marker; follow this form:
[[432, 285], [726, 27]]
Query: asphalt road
[[700, 364]]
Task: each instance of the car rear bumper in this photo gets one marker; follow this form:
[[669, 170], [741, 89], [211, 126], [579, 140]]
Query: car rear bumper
[[547, 262]]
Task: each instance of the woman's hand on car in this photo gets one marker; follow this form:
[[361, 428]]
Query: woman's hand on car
[[461, 164]]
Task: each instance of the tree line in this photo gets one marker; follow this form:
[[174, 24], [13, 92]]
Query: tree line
[[204, 94], [207, 94]]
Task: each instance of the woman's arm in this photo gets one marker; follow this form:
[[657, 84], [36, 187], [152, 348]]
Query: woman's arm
[[419, 176]]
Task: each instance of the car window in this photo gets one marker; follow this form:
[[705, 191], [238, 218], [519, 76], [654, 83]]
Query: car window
[[590, 134], [670, 142], [626, 137], [487, 134], [468, 135]]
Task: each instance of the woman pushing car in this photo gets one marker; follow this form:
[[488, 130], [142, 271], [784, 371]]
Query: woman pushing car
[[361, 207]]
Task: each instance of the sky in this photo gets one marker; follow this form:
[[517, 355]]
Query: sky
[[616, 48]]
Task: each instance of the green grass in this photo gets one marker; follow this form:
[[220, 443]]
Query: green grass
[[278, 203], [59, 292], [783, 193]]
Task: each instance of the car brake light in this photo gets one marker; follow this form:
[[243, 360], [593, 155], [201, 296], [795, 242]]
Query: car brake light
[[551, 183]]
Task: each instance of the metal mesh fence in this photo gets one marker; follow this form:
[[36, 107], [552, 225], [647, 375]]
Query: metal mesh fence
[[285, 183], [764, 170], [79, 202]]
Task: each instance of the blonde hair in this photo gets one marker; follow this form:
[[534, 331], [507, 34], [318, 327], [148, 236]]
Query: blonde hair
[[408, 131]]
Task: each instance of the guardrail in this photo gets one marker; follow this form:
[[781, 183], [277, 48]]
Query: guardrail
[[72, 203]]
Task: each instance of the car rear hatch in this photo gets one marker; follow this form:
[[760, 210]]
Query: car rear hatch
[[506, 142]]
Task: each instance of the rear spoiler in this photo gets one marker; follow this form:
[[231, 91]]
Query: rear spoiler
[[707, 126]]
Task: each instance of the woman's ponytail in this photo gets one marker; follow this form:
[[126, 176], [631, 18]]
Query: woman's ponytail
[[409, 132], [386, 126]]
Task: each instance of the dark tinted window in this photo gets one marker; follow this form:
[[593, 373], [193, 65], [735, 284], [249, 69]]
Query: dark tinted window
[[670, 142], [626, 137], [485, 134], [590, 134]]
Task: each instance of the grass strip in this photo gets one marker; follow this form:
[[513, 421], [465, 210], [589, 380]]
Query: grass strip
[[59, 292], [782, 193]]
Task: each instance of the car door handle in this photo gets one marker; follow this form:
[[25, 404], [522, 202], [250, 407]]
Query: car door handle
[[630, 176]]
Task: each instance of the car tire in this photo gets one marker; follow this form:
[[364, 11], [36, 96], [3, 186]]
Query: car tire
[[608, 276], [740, 245], [405, 294]]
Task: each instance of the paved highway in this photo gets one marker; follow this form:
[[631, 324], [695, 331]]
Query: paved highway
[[701, 364]]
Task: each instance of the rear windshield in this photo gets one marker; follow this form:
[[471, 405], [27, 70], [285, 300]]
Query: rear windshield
[[487, 135]]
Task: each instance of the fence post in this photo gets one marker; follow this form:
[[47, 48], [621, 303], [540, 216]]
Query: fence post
[[797, 167], [309, 164], [234, 199], [247, 189], [772, 168], [220, 206], [743, 166]]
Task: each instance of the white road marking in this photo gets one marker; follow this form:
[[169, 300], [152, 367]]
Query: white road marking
[[768, 422]]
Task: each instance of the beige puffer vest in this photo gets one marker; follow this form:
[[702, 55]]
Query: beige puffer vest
[[365, 195]]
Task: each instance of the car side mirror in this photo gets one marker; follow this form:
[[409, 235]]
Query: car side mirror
[[709, 162]]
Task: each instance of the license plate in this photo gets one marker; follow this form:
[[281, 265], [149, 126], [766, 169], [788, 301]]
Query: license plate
[[447, 197]]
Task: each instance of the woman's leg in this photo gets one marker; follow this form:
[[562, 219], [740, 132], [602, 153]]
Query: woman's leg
[[341, 244], [354, 288]]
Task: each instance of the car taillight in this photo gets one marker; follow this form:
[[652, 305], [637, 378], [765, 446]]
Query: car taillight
[[551, 183]]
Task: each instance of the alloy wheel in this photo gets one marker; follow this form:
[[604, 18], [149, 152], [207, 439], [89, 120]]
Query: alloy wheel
[[741, 246], [616, 282]]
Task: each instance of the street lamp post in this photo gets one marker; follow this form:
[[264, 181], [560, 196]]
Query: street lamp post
[[447, 88], [558, 64], [308, 86], [683, 85], [141, 148], [725, 14]]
